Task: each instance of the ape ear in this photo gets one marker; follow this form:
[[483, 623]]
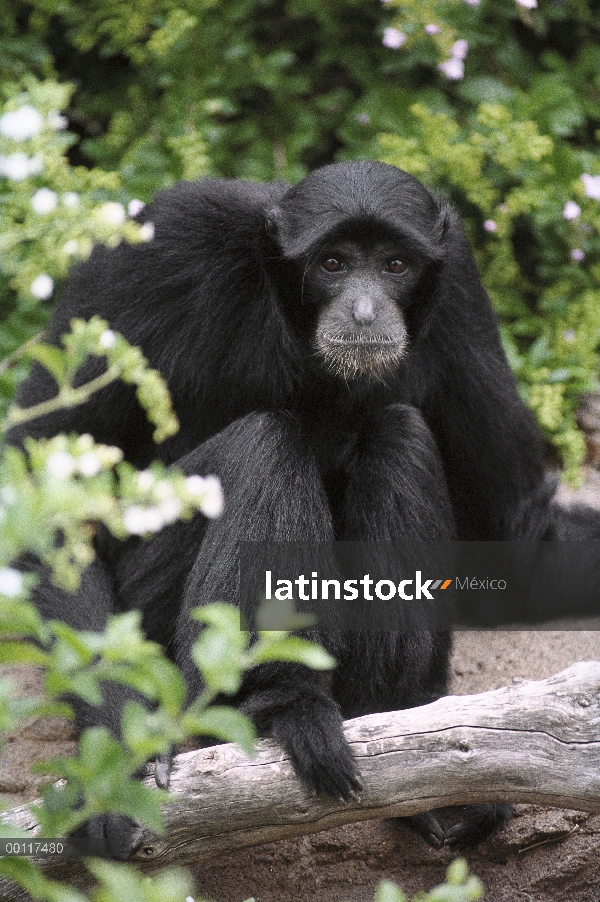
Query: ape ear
[[272, 224]]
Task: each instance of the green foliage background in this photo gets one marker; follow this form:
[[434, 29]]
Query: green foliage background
[[262, 89]]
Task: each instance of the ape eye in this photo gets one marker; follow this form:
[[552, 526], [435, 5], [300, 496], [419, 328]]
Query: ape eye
[[332, 264], [397, 266]]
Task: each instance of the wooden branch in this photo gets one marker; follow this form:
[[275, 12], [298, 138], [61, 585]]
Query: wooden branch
[[533, 742]]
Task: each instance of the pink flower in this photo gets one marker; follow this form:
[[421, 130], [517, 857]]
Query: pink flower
[[591, 184], [432, 29], [454, 69], [577, 255], [460, 49], [393, 38], [489, 225], [571, 210]]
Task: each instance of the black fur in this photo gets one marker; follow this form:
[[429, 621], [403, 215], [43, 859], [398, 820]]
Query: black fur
[[352, 403]]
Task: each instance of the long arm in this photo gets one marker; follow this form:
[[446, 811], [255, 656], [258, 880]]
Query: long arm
[[490, 446]]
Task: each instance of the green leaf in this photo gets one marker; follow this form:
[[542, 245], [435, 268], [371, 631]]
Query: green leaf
[[220, 662], [275, 614], [457, 872], [292, 648], [387, 891], [148, 733], [22, 653], [52, 359], [224, 617], [223, 723]]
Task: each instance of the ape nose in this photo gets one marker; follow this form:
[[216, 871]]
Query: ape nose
[[363, 311]]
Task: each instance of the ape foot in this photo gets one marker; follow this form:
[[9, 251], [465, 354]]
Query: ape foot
[[108, 836], [427, 827], [479, 822]]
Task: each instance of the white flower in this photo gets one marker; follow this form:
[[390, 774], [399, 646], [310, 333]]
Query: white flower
[[135, 206], [163, 490], [134, 519], [60, 465], [44, 201], [432, 29], [71, 247], [112, 213], [42, 287], [89, 464], [213, 501], [139, 520], [195, 485], [17, 166], [454, 69], [210, 492], [577, 255], [591, 184], [145, 480], [460, 49], [170, 509], [84, 442], [11, 582], [56, 121], [569, 335], [393, 38], [489, 225], [528, 4], [108, 340], [571, 210], [70, 199], [36, 165], [473, 2], [21, 124], [147, 231]]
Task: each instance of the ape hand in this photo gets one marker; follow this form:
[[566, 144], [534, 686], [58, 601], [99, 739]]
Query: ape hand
[[311, 734]]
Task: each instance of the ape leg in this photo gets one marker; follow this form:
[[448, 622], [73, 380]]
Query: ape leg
[[396, 490], [273, 492], [89, 609], [86, 609]]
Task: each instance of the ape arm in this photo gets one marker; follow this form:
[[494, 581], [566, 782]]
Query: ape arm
[[198, 300], [490, 446]]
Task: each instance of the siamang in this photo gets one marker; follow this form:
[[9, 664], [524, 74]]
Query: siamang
[[334, 358]]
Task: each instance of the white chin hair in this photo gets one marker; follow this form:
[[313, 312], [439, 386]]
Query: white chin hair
[[359, 357]]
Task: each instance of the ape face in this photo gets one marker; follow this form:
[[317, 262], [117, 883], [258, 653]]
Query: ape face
[[360, 290]]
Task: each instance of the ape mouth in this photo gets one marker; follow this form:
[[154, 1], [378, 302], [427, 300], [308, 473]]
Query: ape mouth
[[359, 355], [359, 338]]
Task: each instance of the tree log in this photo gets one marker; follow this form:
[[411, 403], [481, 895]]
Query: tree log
[[536, 742]]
